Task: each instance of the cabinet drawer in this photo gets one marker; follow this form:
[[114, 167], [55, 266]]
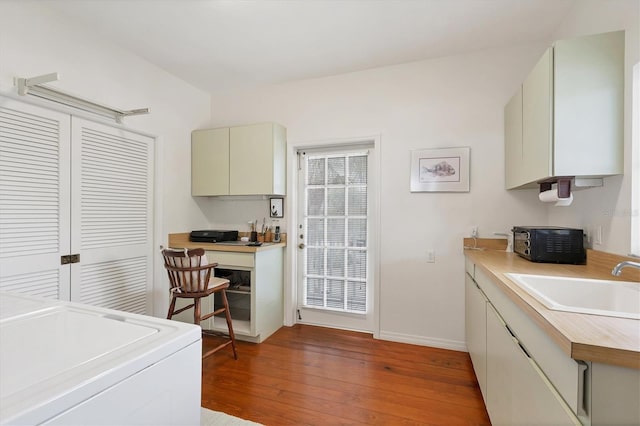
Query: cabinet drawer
[[229, 258]]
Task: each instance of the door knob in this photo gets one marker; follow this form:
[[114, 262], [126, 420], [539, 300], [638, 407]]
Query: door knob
[[301, 245]]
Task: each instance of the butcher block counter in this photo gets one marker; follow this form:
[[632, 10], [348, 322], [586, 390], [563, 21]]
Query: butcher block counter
[[596, 338], [181, 240]]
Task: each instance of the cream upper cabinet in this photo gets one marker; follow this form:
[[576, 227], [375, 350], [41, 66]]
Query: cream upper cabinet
[[242, 160], [513, 141], [257, 159], [210, 162], [571, 119]]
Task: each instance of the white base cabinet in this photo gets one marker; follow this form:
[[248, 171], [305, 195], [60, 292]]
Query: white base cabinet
[[517, 390], [476, 330], [257, 312], [526, 378]]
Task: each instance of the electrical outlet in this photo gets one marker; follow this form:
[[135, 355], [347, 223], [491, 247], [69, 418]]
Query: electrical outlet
[[597, 238], [474, 232], [431, 256]]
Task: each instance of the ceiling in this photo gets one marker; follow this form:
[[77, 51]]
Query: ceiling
[[225, 45]]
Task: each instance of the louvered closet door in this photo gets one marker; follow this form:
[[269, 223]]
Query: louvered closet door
[[34, 199], [112, 201]]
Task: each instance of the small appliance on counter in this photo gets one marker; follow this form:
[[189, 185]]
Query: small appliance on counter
[[549, 244], [212, 236]]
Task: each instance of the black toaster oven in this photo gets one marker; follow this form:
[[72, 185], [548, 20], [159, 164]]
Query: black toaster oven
[[549, 244]]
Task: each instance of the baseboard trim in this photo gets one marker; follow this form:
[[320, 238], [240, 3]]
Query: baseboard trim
[[434, 342]]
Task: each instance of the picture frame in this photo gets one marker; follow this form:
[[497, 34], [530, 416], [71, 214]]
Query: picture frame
[[440, 170], [276, 208]]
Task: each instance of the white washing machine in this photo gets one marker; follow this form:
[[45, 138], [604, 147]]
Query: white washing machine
[[65, 363]]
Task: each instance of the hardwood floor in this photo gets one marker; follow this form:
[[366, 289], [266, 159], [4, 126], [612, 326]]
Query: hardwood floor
[[313, 375]]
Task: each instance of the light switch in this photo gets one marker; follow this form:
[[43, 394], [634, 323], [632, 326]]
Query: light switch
[[431, 256]]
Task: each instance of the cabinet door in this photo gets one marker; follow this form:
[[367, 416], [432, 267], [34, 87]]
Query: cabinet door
[[589, 105], [513, 142], [476, 331], [517, 391], [210, 162], [112, 213], [35, 216], [257, 160], [537, 120], [104, 214]]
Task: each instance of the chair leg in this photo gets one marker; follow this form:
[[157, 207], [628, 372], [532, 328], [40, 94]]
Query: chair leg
[[227, 315], [172, 306], [196, 311]]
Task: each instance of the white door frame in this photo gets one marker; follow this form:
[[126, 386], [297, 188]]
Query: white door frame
[[291, 206]]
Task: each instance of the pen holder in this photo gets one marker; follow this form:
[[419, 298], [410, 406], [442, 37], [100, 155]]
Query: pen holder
[[253, 236]]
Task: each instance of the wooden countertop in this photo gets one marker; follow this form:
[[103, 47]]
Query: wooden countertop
[[182, 241], [595, 338]]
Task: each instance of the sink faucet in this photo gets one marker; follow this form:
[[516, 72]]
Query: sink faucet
[[618, 268]]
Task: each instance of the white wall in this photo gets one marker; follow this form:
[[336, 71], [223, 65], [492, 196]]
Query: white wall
[[608, 207], [454, 101], [35, 41]]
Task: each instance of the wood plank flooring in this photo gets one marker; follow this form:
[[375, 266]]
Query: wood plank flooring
[[307, 375]]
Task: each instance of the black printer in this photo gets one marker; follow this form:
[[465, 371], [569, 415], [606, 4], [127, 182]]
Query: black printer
[[212, 236]]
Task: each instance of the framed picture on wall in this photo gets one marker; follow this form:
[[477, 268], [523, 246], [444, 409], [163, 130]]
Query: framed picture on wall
[[440, 170], [277, 207]]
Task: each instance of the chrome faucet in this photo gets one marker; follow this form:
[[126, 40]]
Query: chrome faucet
[[618, 268]]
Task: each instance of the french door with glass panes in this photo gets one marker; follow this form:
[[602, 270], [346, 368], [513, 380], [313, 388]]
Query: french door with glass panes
[[334, 282]]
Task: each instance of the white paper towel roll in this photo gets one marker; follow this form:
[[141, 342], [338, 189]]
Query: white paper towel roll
[[551, 196]]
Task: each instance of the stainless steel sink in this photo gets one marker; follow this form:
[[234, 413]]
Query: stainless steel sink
[[587, 296]]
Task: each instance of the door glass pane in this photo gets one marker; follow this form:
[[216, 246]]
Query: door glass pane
[[315, 232], [315, 175], [358, 169], [315, 201], [357, 233], [335, 236], [335, 201], [335, 169], [335, 262], [356, 295], [315, 291], [315, 261], [357, 262], [336, 232], [335, 294], [358, 201]]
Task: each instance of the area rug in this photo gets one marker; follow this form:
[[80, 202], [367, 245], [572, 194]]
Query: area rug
[[218, 418]]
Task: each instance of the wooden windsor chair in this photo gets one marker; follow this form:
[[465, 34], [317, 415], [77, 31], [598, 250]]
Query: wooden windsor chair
[[191, 277]]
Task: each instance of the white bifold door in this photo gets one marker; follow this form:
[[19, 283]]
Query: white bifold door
[[76, 202]]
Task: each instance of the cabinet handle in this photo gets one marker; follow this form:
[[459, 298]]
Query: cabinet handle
[[583, 368]]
